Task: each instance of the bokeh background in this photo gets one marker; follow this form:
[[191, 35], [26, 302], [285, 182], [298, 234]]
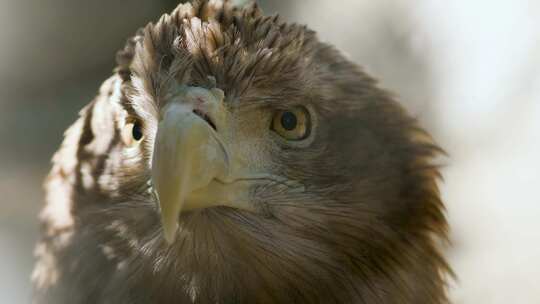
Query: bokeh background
[[469, 70]]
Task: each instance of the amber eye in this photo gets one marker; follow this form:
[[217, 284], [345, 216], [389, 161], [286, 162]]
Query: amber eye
[[291, 124], [132, 132]]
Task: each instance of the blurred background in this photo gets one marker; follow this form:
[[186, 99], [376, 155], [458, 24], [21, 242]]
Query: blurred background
[[469, 70]]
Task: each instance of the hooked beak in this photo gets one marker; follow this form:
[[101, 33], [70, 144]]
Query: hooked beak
[[190, 167]]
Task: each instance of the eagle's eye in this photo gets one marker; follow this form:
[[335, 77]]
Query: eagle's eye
[[292, 124], [132, 132]]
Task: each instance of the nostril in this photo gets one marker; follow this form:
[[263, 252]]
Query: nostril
[[205, 117]]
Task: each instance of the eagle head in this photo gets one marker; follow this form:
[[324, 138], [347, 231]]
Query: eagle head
[[235, 158]]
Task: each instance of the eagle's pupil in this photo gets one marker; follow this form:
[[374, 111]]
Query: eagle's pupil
[[288, 121], [137, 131]]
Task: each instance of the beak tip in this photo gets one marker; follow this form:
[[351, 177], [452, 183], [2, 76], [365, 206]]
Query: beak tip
[[169, 226], [169, 233]]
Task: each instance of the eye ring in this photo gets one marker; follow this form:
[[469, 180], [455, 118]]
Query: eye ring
[[132, 132], [292, 124]]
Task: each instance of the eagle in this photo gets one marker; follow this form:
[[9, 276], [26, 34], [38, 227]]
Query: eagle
[[233, 157]]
